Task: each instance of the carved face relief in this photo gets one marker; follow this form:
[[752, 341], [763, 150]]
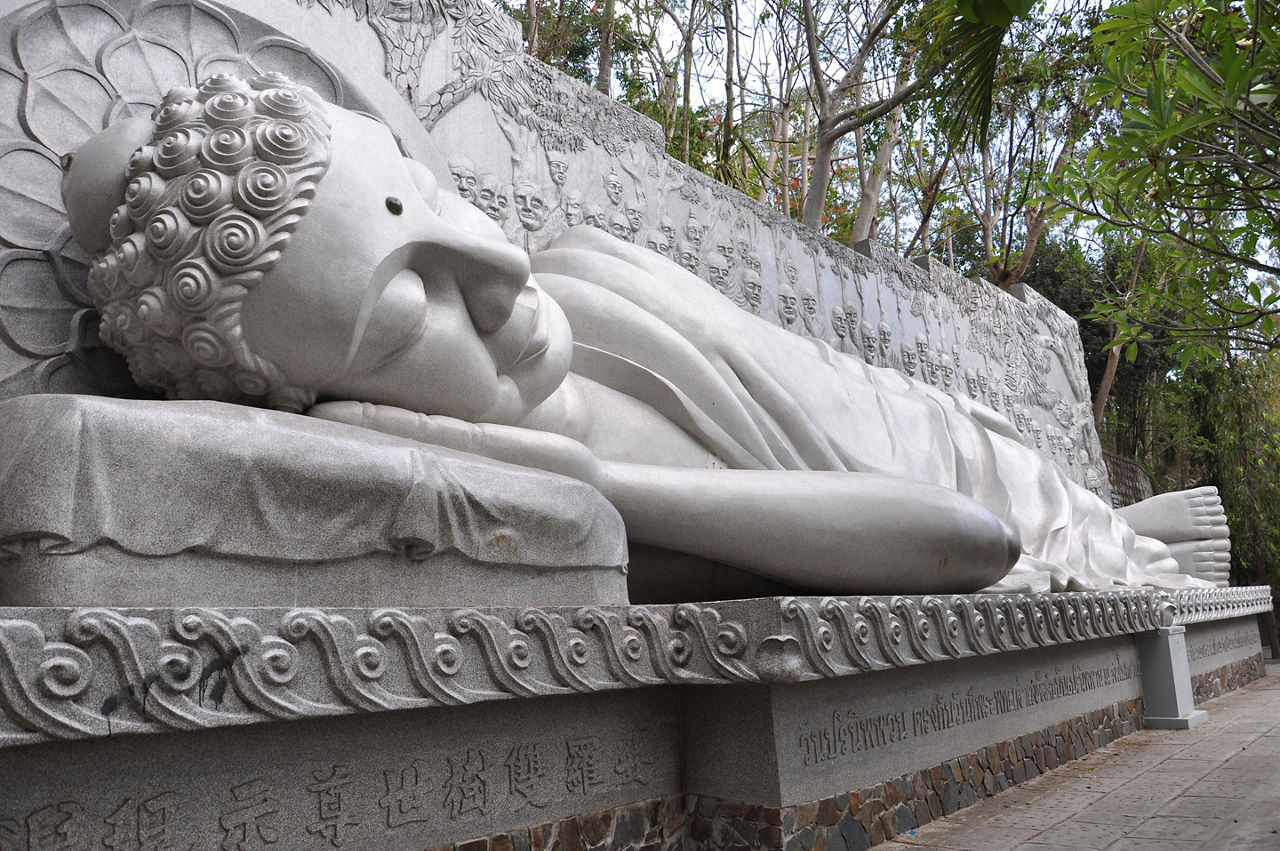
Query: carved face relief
[[934, 371], [868, 340], [922, 348], [687, 256], [559, 169], [668, 229], [366, 304], [531, 209], [464, 177], [984, 384], [809, 301], [656, 241], [613, 188], [886, 336], [594, 216], [718, 272], [752, 288], [971, 384], [838, 322], [620, 226], [787, 305], [492, 198], [724, 247], [948, 369], [851, 315], [635, 217], [793, 273], [753, 261], [694, 231], [743, 242], [909, 359], [572, 205]]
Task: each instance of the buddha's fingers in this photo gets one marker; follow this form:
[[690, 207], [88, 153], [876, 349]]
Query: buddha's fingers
[[541, 450]]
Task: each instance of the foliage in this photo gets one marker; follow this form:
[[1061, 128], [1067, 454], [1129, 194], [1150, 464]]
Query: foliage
[[1219, 423], [1189, 157]]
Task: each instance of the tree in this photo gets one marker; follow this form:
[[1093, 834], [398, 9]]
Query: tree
[[1190, 159]]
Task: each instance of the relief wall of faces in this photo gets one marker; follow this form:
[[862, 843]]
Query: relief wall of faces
[[540, 152]]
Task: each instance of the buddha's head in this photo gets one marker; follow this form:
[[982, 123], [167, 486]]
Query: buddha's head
[[253, 243]]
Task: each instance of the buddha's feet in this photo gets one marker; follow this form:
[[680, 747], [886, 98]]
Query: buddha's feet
[[1181, 516], [1208, 559]]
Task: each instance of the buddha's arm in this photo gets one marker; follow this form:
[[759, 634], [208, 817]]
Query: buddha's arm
[[835, 532]]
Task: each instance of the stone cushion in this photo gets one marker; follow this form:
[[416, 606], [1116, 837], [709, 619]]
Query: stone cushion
[[123, 502]]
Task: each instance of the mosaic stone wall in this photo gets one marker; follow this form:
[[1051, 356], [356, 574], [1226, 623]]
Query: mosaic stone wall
[[1230, 677]]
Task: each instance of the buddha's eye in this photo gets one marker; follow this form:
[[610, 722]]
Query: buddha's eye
[[394, 205]]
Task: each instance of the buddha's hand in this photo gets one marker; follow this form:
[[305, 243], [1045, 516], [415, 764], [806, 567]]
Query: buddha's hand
[[511, 444]]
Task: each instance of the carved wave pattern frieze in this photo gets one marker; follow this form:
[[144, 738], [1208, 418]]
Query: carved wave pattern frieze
[[1213, 604], [91, 672]]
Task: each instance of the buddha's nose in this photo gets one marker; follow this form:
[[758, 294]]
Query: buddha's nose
[[490, 273]]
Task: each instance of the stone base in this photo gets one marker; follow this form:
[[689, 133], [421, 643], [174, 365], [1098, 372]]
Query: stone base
[[854, 820], [769, 723], [1192, 719]]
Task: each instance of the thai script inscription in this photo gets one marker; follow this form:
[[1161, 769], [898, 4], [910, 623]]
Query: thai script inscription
[[846, 732], [1222, 644]]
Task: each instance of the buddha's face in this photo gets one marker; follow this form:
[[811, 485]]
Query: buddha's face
[[394, 293]]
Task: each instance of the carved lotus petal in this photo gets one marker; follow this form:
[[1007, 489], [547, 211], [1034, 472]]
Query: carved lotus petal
[[143, 67], [34, 314], [29, 197], [299, 63], [65, 35], [193, 29], [63, 108], [11, 99]]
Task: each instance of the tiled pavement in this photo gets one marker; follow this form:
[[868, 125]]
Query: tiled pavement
[[1214, 787]]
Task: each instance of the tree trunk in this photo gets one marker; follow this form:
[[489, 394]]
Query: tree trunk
[[1113, 354], [804, 161], [604, 76], [724, 168], [531, 32], [688, 72], [784, 146], [869, 198]]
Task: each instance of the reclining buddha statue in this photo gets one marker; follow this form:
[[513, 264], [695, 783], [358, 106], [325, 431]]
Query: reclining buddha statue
[[255, 244]]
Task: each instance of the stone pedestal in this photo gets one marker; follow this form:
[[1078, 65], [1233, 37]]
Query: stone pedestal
[[1166, 680]]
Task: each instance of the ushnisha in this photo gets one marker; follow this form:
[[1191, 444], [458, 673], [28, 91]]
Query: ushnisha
[[254, 244]]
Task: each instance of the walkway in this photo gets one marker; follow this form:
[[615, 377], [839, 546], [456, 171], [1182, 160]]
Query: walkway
[[1217, 786]]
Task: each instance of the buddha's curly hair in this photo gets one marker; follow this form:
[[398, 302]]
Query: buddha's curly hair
[[211, 201]]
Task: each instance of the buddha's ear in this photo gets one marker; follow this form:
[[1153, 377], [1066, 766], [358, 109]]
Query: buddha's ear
[[94, 180], [492, 270]]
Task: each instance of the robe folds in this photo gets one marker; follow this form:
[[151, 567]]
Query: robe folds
[[759, 397]]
